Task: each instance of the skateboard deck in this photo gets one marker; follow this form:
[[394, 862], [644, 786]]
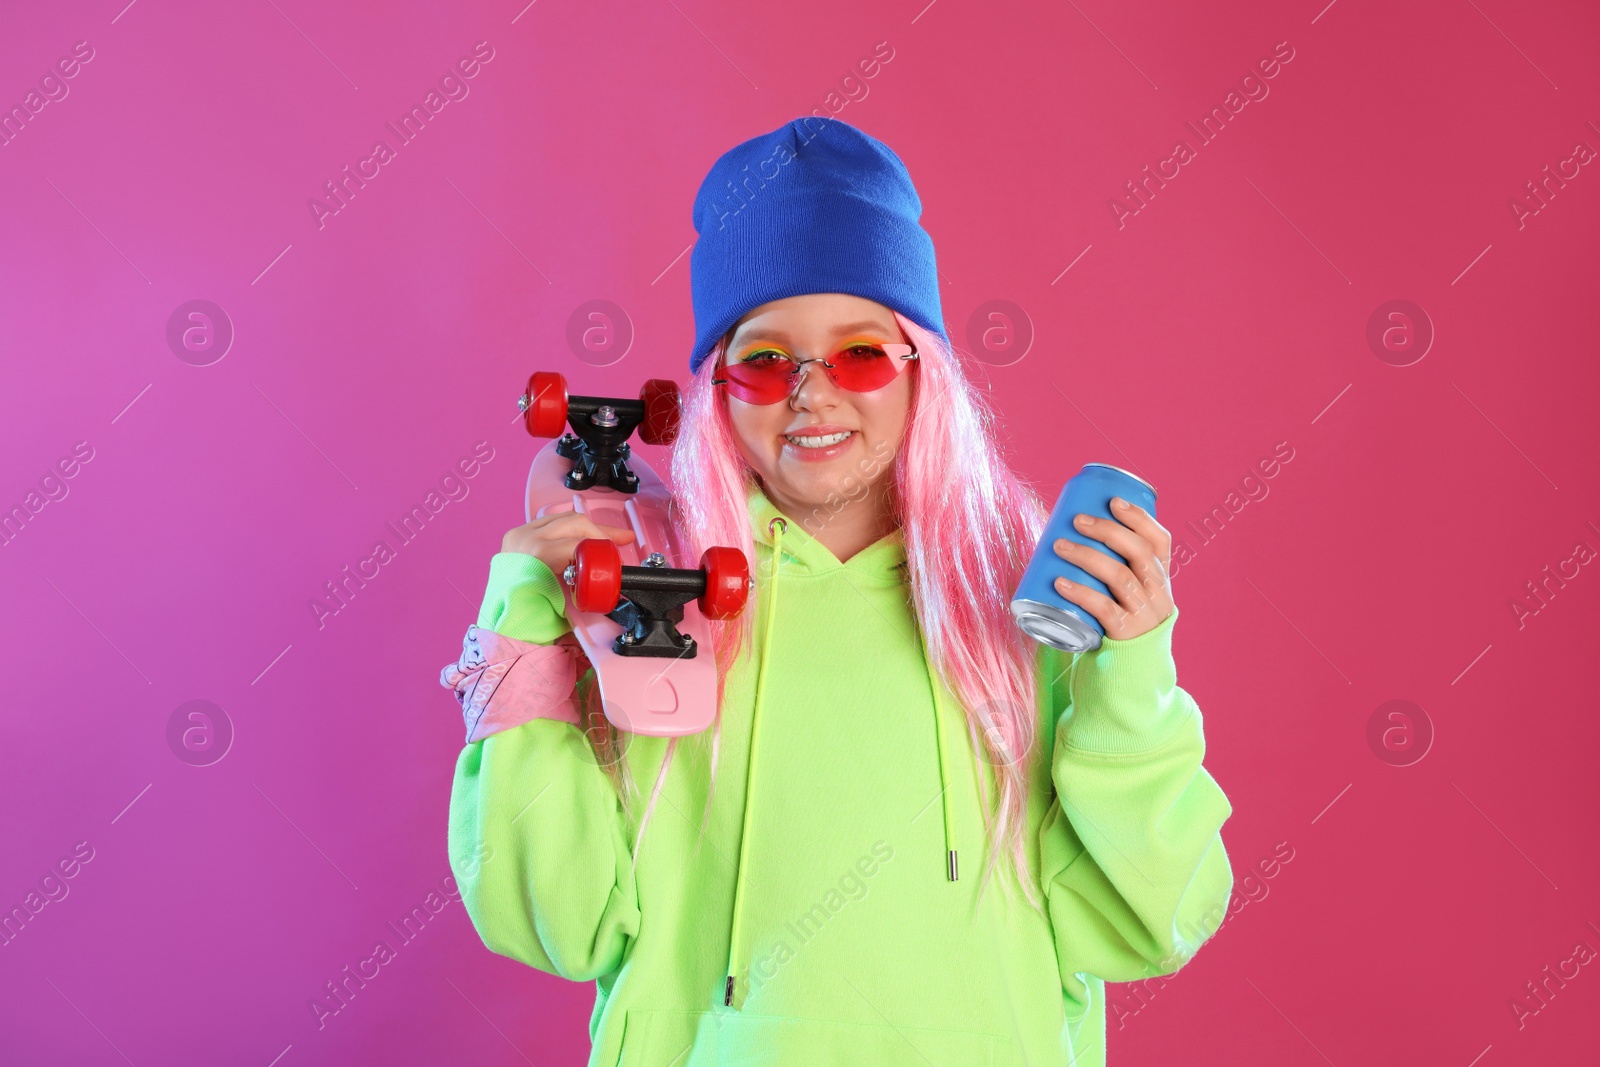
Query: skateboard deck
[[658, 696]]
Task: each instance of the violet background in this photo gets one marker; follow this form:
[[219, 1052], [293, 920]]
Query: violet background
[[370, 354]]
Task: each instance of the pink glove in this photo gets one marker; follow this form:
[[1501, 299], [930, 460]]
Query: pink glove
[[501, 682]]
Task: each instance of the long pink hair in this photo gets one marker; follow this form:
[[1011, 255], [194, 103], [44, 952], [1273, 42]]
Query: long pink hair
[[970, 525]]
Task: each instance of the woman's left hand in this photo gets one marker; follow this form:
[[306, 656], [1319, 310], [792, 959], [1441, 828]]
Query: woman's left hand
[[1142, 588]]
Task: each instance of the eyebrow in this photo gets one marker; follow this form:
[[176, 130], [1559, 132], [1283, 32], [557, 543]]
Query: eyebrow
[[769, 334]]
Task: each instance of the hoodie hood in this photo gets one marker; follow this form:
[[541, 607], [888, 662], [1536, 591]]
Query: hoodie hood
[[884, 560]]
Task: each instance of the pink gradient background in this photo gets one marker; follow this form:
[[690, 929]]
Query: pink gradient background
[[1228, 315]]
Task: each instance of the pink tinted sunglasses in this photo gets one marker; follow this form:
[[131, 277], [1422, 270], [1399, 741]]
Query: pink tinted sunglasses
[[772, 376]]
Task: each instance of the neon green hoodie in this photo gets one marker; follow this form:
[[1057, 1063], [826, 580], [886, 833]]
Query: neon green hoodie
[[849, 942]]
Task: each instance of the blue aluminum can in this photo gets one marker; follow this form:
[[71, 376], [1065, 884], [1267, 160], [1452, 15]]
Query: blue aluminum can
[[1046, 615]]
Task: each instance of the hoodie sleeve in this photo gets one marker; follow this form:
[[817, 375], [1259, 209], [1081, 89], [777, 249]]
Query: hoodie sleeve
[[1134, 871], [537, 838]]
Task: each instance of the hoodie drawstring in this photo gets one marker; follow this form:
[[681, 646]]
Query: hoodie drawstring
[[736, 947], [944, 781], [736, 938]]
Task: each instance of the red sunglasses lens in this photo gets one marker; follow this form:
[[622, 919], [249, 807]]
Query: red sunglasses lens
[[760, 381], [863, 368]]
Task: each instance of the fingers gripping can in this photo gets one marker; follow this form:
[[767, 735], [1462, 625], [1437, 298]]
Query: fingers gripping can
[[1042, 612]]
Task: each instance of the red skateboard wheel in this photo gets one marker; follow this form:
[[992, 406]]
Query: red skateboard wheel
[[547, 405], [662, 406], [727, 582], [597, 585]]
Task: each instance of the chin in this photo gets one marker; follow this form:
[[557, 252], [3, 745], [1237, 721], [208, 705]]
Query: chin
[[817, 489]]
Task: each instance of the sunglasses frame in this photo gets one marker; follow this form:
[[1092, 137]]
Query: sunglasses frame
[[890, 350]]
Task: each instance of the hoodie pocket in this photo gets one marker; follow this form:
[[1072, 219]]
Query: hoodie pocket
[[703, 1039]]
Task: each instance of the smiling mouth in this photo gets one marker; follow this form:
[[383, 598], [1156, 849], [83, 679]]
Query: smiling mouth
[[817, 441]]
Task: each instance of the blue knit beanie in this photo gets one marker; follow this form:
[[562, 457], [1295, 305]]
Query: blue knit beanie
[[815, 206]]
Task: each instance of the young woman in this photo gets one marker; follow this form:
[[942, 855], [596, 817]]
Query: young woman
[[798, 887]]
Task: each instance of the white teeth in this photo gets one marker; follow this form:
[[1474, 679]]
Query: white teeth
[[818, 442]]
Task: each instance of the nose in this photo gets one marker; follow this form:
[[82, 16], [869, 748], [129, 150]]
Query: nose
[[815, 389]]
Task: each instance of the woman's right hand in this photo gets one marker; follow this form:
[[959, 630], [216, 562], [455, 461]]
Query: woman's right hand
[[552, 539]]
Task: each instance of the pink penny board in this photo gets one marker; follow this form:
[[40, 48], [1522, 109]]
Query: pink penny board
[[640, 694]]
